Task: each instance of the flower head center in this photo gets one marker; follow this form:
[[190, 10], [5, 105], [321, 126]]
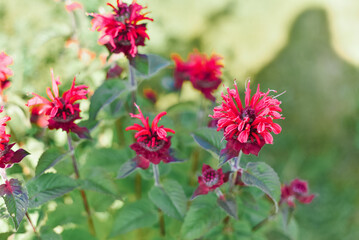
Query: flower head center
[[122, 17], [210, 177], [5, 151], [65, 114], [299, 189], [249, 113], [151, 143], [122, 13]]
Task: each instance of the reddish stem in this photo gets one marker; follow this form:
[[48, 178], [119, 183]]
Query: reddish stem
[[83, 194], [32, 225]]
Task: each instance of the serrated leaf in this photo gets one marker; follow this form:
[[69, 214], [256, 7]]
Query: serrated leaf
[[88, 184], [170, 198], [262, 176], [49, 159], [132, 216], [202, 215], [107, 93], [126, 169], [210, 140], [16, 200], [148, 65], [48, 187], [229, 205]]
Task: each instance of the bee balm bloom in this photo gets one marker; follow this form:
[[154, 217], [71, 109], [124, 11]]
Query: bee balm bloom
[[298, 189], [247, 127], [203, 72], [209, 180], [8, 156], [5, 72], [61, 112], [121, 31], [152, 143]]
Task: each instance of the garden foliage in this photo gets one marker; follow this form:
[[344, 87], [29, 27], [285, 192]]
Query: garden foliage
[[124, 169]]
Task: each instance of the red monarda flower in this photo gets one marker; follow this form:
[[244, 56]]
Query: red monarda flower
[[120, 29], [61, 112], [114, 71], [150, 94], [38, 119], [71, 6], [4, 137], [209, 180], [203, 72], [247, 128], [152, 143], [5, 72], [8, 156], [298, 189]]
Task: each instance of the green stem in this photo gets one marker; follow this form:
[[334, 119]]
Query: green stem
[[133, 83], [3, 174], [74, 26], [263, 222], [195, 162], [234, 163], [83, 194], [156, 175], [138, 185], [162, 223], [200, 115], [218, 193], [260, 224]]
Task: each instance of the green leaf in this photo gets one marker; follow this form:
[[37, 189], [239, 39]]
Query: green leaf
[[3, 212], [107, 93], [5, 236], [242, 230], [50, 235], [210, 140], [262, 176], [48, 187], [78, 234], [229, 205], [67, 213], [148, 65], [132, 216], [49, 159], [287, 223], [292, 230], [88, 184], [126, 169], [202, 216], [215, 233], [16, 201], [171, 199]]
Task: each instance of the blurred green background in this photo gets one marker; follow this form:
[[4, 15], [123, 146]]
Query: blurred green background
[[307, 48]]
